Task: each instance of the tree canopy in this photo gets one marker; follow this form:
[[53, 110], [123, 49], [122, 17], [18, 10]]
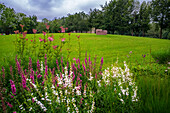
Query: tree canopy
[[125, 17]]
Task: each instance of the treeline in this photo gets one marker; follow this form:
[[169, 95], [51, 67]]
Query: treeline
[[125, 17]]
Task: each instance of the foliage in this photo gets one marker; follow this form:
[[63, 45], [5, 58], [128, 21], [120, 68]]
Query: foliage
[[160, 14], [162, 56]]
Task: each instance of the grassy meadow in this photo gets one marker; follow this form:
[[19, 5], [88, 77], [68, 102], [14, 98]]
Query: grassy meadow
[[110, 47], [143, 67]]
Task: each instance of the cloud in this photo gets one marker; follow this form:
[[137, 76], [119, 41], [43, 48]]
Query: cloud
[[53, 8]]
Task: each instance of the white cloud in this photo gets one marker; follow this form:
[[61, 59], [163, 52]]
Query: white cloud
[[53, 8]]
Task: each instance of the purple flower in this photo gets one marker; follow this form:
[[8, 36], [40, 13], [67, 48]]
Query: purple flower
[[38, 66], [13, 87], [84, 67], [45, 59], [50, 39], [9, 104], [86, 62], [143, 56], [57, 65], [24, 81], [73, 77], [32, 76], [30, 64], [18, 66], [102, 61], [39, 76], [32, 100]]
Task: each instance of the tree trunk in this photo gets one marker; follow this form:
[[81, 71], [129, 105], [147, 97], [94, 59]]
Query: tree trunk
[[132, 32], [143, 33], [160, 32]]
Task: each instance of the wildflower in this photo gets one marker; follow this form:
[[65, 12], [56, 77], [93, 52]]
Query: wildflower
[[62, 29], [21, 26], [26, 39], [69, 34], [44, 33], [33, 100], [39, 76], [34, 31], [143, 56], [81, 101], [47, 26], [92, 108], [24, 82], [130, 52], [31, 40], [14, 112], [91, 78], [13, 87], [41, 67], [3, 70], [50, 39], [54, 47], [74, 58], [24, 34], [63, 39], [9, 104], [78, 36], [16, 32], [32, 75]]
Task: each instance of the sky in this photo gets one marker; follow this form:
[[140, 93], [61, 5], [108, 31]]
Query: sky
[[53, 8]]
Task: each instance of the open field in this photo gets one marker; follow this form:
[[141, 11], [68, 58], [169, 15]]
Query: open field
[[109, 47], [140, 85]]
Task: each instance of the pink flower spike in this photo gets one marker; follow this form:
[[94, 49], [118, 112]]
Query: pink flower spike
[[50, 39], [31, 40], [24, 34], [63, 30], [17, 31], [9, 104], [26, 39], [21, 26], [14, 112], [54, 47], [66, 28], [69, 34], [44, 33], [47, 26], [63, 39], [34, 31], [41, 40], [78, 36]]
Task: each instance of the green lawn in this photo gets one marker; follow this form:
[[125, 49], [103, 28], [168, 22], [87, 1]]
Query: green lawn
[[152, 79], [109, 47]]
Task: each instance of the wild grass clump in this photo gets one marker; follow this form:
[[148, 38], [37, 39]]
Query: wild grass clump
[[162, 56]]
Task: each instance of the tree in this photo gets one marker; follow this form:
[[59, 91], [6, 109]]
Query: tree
[[160, 14], [144, 15], [7, 19], [134, 18], [96, 19], [109, 14]]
